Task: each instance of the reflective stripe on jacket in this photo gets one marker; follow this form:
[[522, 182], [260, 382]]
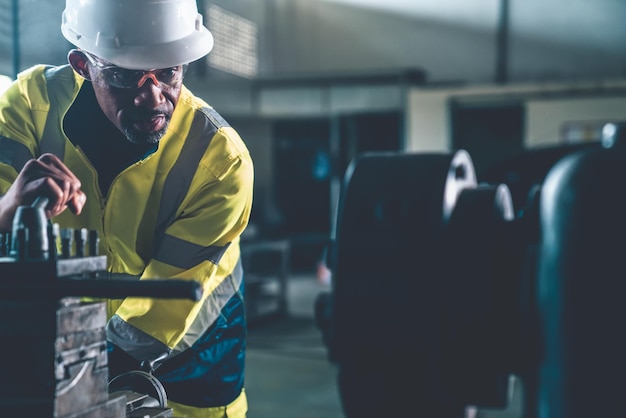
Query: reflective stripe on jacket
[[177, 213]]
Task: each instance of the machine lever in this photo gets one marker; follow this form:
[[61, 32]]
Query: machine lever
[[40, 202]]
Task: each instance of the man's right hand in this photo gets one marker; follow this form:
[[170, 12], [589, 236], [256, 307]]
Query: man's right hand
[[46, 176]]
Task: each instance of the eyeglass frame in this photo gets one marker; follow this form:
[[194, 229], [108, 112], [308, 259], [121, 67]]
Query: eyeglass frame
[[146, 74]]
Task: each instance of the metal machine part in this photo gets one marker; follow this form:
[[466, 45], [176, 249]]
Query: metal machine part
[[53, 358], [386, 258], [426, 273], [31, 232], [143, 393], [460, 293], [580, 285], [29, 250]]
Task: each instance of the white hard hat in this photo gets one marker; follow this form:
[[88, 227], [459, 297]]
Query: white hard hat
[[138, 34]]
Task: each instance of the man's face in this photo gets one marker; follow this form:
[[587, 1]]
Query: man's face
[[139, 103]]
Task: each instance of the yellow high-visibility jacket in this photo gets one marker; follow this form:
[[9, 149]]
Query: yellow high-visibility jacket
[[177, 213]]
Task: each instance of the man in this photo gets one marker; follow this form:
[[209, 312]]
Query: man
[[116, 138]]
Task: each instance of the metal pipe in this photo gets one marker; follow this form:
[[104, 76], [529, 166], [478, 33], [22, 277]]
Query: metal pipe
[[15, 54], [112, 289], [502, 41]]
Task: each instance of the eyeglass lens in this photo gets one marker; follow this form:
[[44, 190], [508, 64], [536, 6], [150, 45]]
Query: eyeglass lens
[[125, 78]]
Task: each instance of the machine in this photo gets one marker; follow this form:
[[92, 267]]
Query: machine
[[441, 291], [53, 356]]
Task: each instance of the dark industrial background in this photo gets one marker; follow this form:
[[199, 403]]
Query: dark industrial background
[[310, 84]]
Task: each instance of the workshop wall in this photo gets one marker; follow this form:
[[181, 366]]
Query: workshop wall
[[451, 41]]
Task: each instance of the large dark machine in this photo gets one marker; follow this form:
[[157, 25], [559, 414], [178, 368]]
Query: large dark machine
[[53, 350], [441, 291]]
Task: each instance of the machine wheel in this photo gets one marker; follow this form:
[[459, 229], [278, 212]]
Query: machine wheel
[[138, 381]]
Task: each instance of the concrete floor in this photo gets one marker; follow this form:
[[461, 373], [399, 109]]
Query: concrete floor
[[287, 371]]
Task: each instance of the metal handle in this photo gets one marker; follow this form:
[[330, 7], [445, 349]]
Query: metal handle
[[109, 289]]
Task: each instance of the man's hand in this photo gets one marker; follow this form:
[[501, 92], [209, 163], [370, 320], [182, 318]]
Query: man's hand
[[46, 176]]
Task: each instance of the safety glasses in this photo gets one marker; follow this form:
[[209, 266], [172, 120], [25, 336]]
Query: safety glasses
[[125, 79]]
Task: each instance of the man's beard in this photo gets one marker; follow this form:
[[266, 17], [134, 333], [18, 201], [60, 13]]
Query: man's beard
[[139, 137], [144, 138]]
